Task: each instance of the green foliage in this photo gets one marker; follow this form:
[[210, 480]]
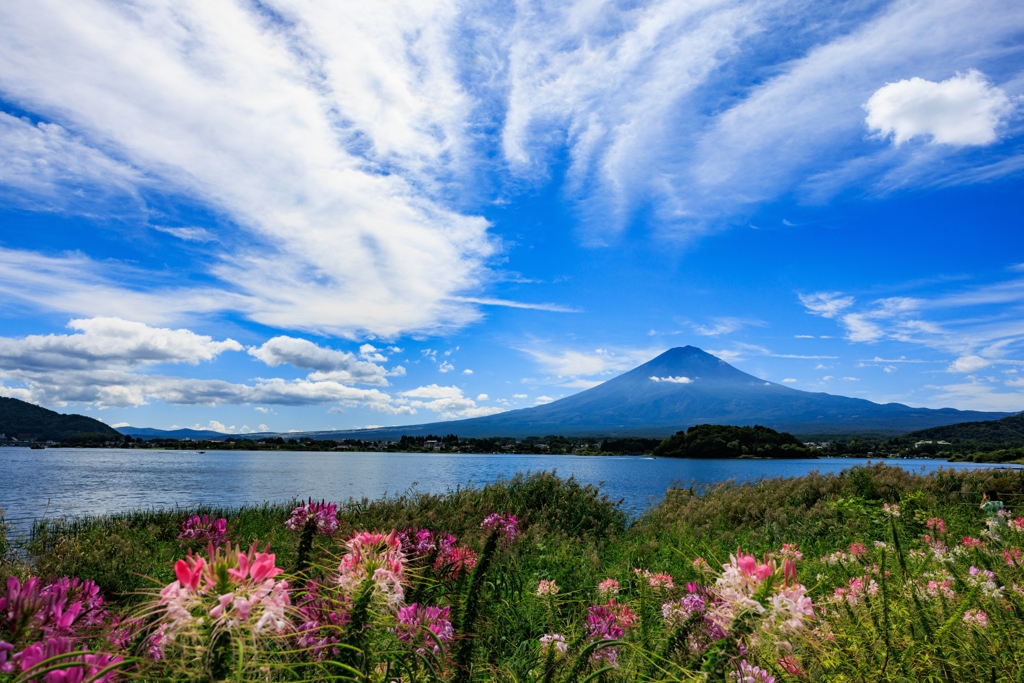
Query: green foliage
[[725, 441]]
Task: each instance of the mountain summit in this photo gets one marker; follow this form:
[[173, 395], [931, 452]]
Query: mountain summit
[[686, 386]]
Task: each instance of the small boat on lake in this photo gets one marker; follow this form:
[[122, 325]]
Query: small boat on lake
[[37, 447]]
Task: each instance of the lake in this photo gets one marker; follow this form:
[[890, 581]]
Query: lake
[[58, 482]]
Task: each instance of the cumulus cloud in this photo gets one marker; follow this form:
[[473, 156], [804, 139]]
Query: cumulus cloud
[[673, 380], [448, 402], [100, 364], [109, 342], [327, 364], [959, 111], [542, 400], [789, 380], [968, 364]]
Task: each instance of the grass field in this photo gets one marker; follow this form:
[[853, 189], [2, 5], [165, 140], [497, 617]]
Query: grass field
[[873, 575]]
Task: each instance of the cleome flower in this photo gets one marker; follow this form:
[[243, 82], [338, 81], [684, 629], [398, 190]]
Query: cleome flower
[[424, 626], [375, 557], [555, 642], [547, 588], [608, 588], [657, 581], [505, 524], [746, 585], [226, 589], [203, 530], [323, 516], [976, 617], [57, 617]]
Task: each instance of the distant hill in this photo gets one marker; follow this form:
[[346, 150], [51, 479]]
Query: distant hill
[[150, 433], [1007, 432], [27, 422], [680, 388]]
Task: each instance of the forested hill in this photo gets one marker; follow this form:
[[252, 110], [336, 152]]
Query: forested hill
[[28, 422], [1007, 432], [725, 441]]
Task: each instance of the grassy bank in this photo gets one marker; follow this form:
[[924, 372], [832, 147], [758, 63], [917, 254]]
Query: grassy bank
[[897, 592]]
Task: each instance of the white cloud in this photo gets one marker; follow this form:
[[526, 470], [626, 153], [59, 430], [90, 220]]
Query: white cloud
[[826, 304], [109, 342], [467, 371], [370, 353], [75, 284], [968, 364], [448, 402], [263, 428], [789, 380], [445, 366], [333, 132], [963, 110], [118, 425], [98, 365], [520, 396], [673, 380], [542, 400], [327, 364], [481, 397], [580, 383], [192, 234], [572, 363], [977, 394], [971, 323], [851, 379], [889, 369], [724, 325], [262, 409]]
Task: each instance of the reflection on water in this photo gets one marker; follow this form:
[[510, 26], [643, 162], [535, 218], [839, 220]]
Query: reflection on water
[[57, 482]]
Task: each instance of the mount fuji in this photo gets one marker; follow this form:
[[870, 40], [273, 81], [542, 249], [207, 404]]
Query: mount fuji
[[682, 387]]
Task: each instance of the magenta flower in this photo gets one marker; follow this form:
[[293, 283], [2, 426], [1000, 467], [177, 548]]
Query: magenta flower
[[417, 622], [84, 667], [504, 524], [323, 619], [452, 558], [203, 529], [417, 542], [323, 515], [747, 673]]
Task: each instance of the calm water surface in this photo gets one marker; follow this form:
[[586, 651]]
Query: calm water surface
[[56, 482]]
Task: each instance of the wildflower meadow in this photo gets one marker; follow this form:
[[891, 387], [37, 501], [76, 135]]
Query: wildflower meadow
[[875, 574]]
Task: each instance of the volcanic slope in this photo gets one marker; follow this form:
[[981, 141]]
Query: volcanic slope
[[682, 387]]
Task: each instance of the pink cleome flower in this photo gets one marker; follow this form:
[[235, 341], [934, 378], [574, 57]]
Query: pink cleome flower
[[323, 515], [419, 624], [976, 617], [203, 530], [608, 588], [504, 524], [547, 588]]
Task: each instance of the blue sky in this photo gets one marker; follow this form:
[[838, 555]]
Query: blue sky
[[313, 215]]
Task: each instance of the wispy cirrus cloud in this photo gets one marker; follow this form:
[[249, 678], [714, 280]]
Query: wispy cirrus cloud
[[971, 323], [322, 128]]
